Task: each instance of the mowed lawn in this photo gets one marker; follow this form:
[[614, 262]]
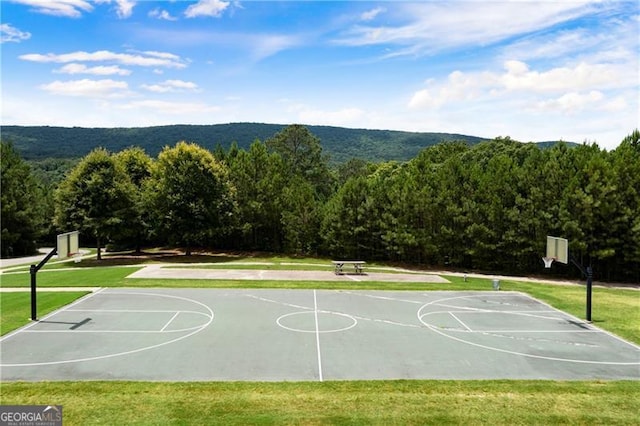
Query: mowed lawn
[[350, 402]]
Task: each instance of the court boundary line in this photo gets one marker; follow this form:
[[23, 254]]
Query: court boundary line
[[133, 351], [49, 315], [491, 348], [600, 330]]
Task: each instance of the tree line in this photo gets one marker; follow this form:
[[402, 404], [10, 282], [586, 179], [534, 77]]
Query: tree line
[[484, 207]]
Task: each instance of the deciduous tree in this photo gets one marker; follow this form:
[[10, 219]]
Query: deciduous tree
[[190, 195], [96, 198]]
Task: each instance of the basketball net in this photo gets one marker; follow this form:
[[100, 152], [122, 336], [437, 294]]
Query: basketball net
[[548, 261]]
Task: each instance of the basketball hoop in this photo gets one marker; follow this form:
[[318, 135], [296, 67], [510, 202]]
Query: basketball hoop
[[548, 261]]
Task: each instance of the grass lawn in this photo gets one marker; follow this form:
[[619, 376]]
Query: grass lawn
[[362, 402], [494, 402], [15, 308]]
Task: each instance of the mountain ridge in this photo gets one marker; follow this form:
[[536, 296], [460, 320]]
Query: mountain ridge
[[340, 143]]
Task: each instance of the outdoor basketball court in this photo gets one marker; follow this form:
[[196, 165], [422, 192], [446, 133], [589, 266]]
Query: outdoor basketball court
[[314, 335]]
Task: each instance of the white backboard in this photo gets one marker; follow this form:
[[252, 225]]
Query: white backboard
[[68, 244], [558, 248]]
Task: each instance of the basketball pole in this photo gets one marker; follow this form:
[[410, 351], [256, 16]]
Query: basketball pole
[[33, 271], [587, 272]]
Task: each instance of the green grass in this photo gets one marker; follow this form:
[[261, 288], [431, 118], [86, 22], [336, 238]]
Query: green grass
[[75, 277], [491, 402], [15, 308], [364, 402]]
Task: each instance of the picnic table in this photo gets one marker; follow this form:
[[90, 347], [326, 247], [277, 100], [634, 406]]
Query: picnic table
[[358, 266]]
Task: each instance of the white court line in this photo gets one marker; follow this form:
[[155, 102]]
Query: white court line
[[133, 351], [315, 311], [385, 298], [533, 313], [596, 328], [436, 329], [27, 327], [113, 331], [170, 321], [291, 305], [529, 331], [460, 321], [323, 311], [136, 311]]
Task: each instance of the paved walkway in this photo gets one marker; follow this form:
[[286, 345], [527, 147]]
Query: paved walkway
[[167, 272]]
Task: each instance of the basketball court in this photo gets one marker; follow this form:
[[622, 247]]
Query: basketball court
[[312, 335]]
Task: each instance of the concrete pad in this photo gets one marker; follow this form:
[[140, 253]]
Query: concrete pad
[[312, 335], [167, 272]]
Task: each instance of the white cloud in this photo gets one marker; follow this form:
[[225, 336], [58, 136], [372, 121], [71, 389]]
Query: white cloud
[[163, 55], [74, 68], [619, 103], [571, 102], [517, 77], [171, 86], [425, 27], [265, 45], [212, 8], [87, 88], [579, 77], [162, 14], [372, 14], [65, 8], [147, 59], [124, 8], [9, 33], [611, 40]]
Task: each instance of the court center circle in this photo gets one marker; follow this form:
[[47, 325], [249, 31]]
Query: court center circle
[[327, 322]]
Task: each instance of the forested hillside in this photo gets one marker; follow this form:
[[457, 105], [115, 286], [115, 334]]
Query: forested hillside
[[485, 207], [340, 144]]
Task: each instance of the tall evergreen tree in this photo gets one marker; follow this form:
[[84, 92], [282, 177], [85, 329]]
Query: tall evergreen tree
[[302, 155], [257, 177], [23, 205]]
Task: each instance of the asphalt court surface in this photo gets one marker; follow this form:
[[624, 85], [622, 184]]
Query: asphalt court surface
[[312, 335]]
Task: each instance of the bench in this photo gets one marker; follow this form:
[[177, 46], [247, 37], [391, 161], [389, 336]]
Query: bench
[[358, 266]]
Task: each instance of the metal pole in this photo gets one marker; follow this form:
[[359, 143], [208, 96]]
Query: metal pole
[[34, 313], [33, 271], [588, 272], [589, 288]]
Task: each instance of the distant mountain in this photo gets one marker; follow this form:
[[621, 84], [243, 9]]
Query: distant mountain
[[341, 144]]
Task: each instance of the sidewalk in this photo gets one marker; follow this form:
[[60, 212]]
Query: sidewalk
[[26, 260]]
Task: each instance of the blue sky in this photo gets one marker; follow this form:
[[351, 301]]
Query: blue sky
[[539, 70]]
